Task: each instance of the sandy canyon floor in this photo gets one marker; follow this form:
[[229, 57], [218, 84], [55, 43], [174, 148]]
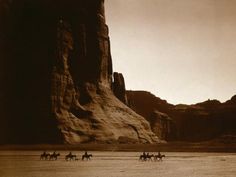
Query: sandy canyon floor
[[117, 164]]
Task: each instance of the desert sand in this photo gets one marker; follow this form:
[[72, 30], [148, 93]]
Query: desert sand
[[118, 164]]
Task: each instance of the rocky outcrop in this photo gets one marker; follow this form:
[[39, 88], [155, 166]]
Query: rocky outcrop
[[119, 87], [162, 125], [156, 111], [58, 77]]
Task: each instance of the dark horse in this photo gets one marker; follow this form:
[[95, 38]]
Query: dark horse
[[149, 157], [159, 157], [86, 156], [54, 156], [44, 156], [145, 157], [142, 157], [70, 156]]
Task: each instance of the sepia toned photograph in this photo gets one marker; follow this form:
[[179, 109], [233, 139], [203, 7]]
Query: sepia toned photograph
[[117, 88]]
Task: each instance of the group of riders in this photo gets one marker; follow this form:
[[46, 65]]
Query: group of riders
[[53, 156], [70, 156], [49, 156], [146, 156]]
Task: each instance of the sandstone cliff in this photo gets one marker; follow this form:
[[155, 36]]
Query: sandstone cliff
[[162, 125], [58, 76], [156, 111]]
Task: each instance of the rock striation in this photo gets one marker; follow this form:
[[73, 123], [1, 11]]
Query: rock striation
[[58, 76]]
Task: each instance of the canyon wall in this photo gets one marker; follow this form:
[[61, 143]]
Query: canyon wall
[[199, 122], [57, 76]]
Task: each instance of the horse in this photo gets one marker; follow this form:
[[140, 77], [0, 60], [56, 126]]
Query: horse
[[44, 156], [149, 157], [87, 156], [70, 157], [54, 156], [159, 157], [145, 157], [142, 157]]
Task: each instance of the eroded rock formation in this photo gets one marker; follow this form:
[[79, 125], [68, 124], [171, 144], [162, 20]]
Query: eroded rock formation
[[58, 76], [119, 87], [162, 125], [156, 111]]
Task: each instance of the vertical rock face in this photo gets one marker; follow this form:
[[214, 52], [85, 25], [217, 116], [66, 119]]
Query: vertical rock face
[[162, 125], [119, 87], [26, 50], [58, 76]]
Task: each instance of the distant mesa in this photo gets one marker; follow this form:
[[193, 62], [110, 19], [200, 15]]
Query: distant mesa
[[200, 122]]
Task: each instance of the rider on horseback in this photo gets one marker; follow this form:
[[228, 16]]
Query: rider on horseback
[[86, 156], [86, 153]]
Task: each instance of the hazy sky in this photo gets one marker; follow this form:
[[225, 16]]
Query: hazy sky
[[183, 51]]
